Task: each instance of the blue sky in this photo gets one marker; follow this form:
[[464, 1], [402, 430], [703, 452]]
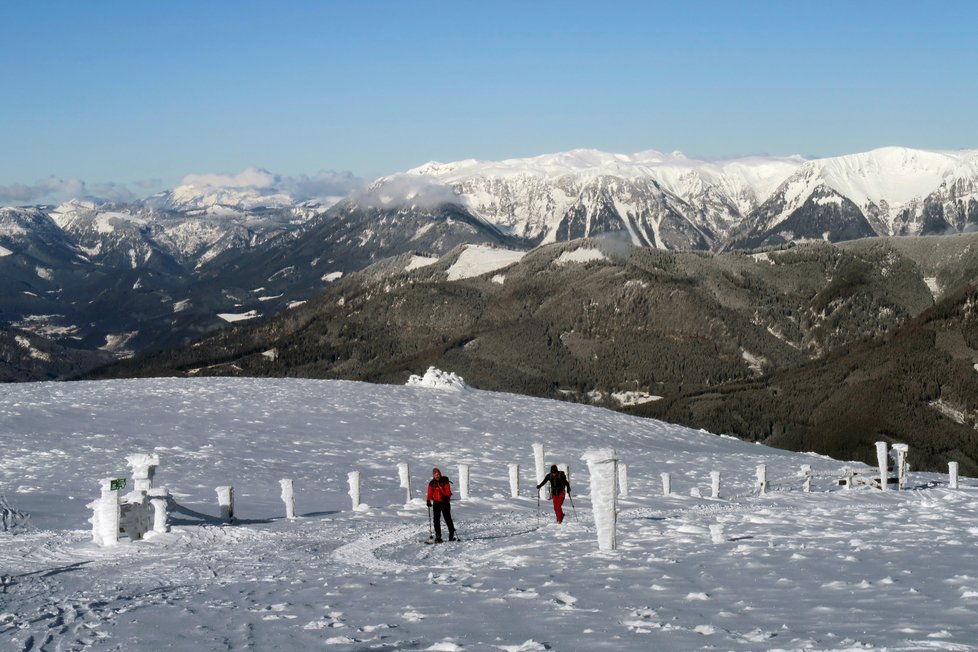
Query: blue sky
[[143, 93]]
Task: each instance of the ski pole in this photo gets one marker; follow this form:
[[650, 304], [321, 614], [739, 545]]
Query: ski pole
[[430, 535], [571, 496]]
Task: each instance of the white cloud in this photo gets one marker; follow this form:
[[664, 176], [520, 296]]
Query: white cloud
[[48, 189], [250, 178], [323, 185], [301, 187], [408, 190]]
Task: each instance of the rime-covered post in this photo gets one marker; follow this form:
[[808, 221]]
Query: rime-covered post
[[105, 515], [404, 473], [288, 497], [354, 479], [225, 500], [952, 472], [143, 469], [881, 459], [623, 480], [901, 464], [541, 469], [463, 481], [666, 484], [715, 482], [847, 477], [602, 467], [514, 480], [761, 472], [806, 474], [161, 516]]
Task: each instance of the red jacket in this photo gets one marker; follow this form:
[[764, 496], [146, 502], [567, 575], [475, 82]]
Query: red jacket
[[440, 490]]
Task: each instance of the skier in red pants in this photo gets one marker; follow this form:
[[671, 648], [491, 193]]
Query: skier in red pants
[[439, 497], [558, 486]]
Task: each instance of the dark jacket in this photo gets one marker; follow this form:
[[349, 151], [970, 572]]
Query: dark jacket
[[558, 483], [440, 490]]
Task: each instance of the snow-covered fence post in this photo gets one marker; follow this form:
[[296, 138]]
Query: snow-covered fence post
[[901, 464], [847, 477], [463, 481], [161, 516], [666, 484], [354, 479], [541, 469], [952, 472], [143, 469], [288, 497], [404, 474], [225, 500], [715, 482], [623, 480], [806, 474], [716, 533], [881, 459], [602, 467], [514, 480], [105, 514], [761, 472]]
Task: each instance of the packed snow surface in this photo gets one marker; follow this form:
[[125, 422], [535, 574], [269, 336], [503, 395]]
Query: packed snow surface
[[580, 255], [476, 260], [829, 570], [238, 316]]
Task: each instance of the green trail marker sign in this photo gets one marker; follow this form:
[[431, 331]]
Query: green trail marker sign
[[118, 483]]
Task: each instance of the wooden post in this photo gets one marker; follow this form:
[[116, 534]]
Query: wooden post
[[541, 469], [806, 474], [881, 459], [901, 451], [225, 501], [404, 474], [463, 481], [288, 497], [601, 466], [514, 480], [161, 517], [105, 514], [354, 479]]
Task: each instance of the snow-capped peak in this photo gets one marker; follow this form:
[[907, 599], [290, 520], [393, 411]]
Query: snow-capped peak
[[252, 188], [896, 175]]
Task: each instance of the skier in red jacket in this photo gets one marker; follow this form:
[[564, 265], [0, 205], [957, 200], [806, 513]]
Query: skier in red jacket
[[439, 497], [558, 485]]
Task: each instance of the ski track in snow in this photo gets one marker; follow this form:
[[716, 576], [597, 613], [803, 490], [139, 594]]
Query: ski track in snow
[[830, 570]]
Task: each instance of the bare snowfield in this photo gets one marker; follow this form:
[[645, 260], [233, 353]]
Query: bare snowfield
[[834, 569]]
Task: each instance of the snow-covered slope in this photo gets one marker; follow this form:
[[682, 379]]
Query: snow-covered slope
[[829, 570], [890, 191], [660, 200], [669, 201]]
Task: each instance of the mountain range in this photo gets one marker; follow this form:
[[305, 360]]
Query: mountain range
[[119, 278]]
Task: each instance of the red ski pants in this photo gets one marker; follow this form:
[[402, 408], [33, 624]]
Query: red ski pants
[[559, 506]]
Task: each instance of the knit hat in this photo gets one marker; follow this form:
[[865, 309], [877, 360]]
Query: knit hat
[[435, 470], [553, 468]]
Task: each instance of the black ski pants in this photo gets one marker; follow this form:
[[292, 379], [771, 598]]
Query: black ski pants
[[443, 508]]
